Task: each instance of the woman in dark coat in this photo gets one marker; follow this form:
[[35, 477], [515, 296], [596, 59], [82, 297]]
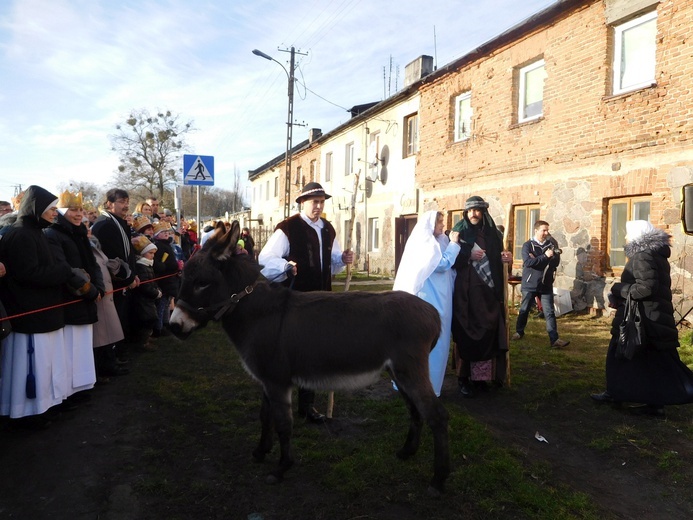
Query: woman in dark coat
[[34, 351], [656, 376], [70, 244]]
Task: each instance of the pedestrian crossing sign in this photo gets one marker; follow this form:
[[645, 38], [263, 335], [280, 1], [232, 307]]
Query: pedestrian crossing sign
[[198, 170]]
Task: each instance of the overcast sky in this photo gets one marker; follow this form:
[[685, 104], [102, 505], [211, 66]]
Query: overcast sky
[[72, 69]]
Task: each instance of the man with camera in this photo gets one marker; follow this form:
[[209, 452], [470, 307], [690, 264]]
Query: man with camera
[[540, 258]]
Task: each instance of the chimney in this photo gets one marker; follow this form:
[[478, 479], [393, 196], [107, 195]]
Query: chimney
[[417, 69], [313, 134]]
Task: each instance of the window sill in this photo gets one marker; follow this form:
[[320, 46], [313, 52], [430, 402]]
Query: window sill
[[621, 95], [526, 123]]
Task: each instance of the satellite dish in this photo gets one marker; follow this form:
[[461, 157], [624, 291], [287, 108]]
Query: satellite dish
[[384, 159]]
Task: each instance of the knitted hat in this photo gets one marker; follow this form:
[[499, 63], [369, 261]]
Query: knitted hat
[[142, 245], [637, 228], [161, 226], [312, 189]]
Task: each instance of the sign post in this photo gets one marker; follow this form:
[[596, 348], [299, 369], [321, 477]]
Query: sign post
[[198, 170]]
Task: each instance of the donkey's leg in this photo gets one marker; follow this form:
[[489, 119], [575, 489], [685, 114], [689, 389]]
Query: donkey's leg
[[411, 444], [280, 409], [436, 416], [267, 424]]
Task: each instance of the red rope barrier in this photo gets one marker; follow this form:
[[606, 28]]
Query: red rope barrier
[[79, 300]]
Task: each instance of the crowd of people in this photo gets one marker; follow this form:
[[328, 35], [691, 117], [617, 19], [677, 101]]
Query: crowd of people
[[105, 282], [82, 289], [462, 275]]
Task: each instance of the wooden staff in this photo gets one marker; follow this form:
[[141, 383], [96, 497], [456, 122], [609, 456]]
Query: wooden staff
[[507, 307], [347, 282]]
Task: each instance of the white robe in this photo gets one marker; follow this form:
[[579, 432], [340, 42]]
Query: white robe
[[48, 366], [79, 358], [426, 271]]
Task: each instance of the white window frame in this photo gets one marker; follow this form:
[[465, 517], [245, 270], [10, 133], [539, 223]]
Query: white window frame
[[373, 234], [276, 187], [640, 59], [522, 105], [267, 190], [463, 116], [328, 166], [349, 159], [411, 143]]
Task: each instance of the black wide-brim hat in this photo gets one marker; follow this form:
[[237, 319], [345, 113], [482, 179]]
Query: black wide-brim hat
[[312, 189]]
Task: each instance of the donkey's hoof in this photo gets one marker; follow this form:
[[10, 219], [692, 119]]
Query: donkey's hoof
[[272, 479]]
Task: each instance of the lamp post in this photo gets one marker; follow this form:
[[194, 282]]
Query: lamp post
[[289, 124]]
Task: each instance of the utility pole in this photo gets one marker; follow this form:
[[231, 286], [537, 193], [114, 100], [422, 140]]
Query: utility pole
[[289, 136]]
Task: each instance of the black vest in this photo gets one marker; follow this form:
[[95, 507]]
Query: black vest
[[304, 249]]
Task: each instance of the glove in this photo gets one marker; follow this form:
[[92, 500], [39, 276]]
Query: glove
[[79, 283]]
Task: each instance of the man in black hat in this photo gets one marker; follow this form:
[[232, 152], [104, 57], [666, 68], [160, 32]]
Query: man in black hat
[[305, 245], [478, 322]]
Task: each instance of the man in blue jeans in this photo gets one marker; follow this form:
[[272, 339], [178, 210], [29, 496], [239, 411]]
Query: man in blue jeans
[[540, 258]]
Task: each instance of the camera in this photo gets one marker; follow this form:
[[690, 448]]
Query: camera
[[556, 249]]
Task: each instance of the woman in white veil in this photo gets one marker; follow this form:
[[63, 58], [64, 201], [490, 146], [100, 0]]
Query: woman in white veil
[[426, 271]]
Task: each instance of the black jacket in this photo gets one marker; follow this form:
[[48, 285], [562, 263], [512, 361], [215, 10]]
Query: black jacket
[[34, 279], [647, 277], [165, 265], [71, 245], [538, 270]]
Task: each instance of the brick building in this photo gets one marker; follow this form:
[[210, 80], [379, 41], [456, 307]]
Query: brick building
[[580, 115]]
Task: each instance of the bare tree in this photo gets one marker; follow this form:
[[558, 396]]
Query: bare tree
[[150, 149]]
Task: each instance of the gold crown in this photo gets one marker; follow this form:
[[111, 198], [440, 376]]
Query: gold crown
[[70, 200], [140, 223], [162, 225], [140, 243]]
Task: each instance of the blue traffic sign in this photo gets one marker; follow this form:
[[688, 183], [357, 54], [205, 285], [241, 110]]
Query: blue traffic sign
[[198, 170]]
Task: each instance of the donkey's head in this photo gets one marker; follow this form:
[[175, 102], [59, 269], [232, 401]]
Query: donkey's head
[[211, 278]]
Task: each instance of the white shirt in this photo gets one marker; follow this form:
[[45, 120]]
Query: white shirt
[[272, 257]]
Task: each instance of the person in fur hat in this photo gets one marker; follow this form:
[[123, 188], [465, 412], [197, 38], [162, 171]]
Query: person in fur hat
[[167, 270], [656, 376]]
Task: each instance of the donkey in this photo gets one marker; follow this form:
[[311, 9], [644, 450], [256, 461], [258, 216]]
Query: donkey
[[318, 340]]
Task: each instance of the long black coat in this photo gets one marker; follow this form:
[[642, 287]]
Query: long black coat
[[646, 276], [34, 279], [656, 375], [71, 245]]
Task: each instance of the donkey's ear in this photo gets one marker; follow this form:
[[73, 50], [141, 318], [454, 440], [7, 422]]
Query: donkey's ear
[[226, 243]]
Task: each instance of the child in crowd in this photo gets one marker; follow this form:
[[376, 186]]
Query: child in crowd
[[145, 296]]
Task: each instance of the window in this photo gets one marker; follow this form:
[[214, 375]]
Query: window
[[349, 159], [463, 116], [299, 174], [455, 217], [267, 190], [372, 155], [411, 136], [524, 217], [635, 47], [276, 186], [328, 167], [312, 170], [531, 91], [373, 234], [620, 212]]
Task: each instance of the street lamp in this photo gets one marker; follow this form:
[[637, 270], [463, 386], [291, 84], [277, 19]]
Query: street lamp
[[289, 124]]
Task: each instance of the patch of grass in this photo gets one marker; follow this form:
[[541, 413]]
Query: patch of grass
[[209, 407]]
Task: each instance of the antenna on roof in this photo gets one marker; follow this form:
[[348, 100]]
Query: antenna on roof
[[435, 49]]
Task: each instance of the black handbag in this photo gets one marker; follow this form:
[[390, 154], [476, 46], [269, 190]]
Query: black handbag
[[631, 331]]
